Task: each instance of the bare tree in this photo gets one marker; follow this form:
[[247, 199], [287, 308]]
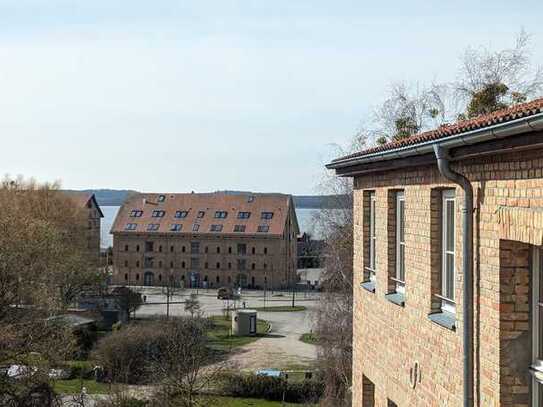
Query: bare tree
[[490, 80], [192, 305]]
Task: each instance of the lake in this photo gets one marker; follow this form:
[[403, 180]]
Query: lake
[[305, 220]]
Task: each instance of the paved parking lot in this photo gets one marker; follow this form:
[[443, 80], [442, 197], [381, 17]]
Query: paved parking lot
[[280, 349]]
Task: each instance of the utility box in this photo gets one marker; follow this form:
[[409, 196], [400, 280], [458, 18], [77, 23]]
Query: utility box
[[244, 322]]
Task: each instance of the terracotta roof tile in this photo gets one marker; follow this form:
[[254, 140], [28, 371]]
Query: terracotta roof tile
[[500, 116], [210, 203]]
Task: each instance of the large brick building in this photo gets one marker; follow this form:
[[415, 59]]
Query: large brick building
[[206, 240], [448, 296]]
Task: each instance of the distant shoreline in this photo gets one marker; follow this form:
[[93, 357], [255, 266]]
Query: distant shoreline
[[116, 197]]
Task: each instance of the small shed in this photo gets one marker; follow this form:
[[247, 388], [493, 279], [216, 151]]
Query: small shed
[[244, 322]]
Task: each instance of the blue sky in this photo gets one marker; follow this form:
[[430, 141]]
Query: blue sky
[[204, 95]]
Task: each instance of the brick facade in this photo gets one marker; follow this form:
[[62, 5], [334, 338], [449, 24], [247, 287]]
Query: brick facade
[[392, 342]]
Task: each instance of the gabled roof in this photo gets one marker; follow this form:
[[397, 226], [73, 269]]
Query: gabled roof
[[281, 205], [465, 126], [82, 199]]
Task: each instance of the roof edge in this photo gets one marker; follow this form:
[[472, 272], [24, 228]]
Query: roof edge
[[495, 131]]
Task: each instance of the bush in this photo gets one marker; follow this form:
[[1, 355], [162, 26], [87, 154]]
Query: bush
[[272, 388], [125, 354]]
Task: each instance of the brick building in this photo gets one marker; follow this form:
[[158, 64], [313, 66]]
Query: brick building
[[206, 240], [448, 300], [87, 202]]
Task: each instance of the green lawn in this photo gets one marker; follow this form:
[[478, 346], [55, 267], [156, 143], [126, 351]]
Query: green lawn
[[238, 402], [73, 386], [309, 338], [220, 336], [281, 308]]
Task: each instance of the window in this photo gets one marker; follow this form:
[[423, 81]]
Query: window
[[230, 250], [253, 266], [201, 214], [263, 229], [242, 264], [194, 263], [218, 250], [251, 198], [130, 226], [244, 215], [137, 247], [160, 264], [390, 403], [368, 392], [125, 276], [265, 266], [183, 249], [171, 264], [239, 228], [242, 249], [158, 214], [215, 228], [447, 251], [194, 247], [265, 250], [126, 263], [229, 266], [181, 214], [161, 198], [206, 249], [183, 265], [399, 278], [125, 247], [253, 250], [372, 239], [137, 264], [221, 214], [172, 249], [152, 227], [206, 265], [136, 213], [266, 215], [160, 248], [149, 246], [195, 227]]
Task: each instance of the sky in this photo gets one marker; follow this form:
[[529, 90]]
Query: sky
[[203, 95]]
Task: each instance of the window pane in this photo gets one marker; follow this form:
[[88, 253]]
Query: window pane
[[401, 222], [450, 226], [449, 276], [401, 275]]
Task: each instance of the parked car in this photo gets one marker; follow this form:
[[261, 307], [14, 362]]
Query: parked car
[[226, 293]]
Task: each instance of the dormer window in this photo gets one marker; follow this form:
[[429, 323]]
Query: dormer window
[[221, 214], [244, 215], [161, 198], [239, 228], [251, 199], [176, 227], [136, 213], [131, 226], [201, 214], [216, 228], [181, 214], [153, 227], [263, 229], [158, 214], [266, 215]]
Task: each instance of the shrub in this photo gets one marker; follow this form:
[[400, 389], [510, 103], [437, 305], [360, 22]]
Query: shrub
[[272, 388]]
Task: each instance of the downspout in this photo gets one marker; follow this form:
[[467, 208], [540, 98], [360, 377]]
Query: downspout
[[443, 165]]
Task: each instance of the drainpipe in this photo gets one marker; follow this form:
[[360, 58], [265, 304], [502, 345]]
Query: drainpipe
[[443, 165]]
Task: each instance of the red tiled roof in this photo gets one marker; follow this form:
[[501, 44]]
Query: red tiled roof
[[210, 203], [500, 116]]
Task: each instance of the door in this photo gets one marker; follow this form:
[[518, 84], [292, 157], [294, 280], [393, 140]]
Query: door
[[537, 329], [252, 324], [148, 278]]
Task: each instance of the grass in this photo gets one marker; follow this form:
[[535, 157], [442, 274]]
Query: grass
[[241, 402], [221, 339], [281, 308], [309, 338], [73, 386]]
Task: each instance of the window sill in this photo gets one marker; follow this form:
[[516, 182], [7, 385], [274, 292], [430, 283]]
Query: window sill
[[445, 319], [368, 286], [396, 298]]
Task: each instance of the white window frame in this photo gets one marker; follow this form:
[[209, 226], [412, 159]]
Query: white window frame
[[537, 364], [400, 226], [372, 238], [447, 304]]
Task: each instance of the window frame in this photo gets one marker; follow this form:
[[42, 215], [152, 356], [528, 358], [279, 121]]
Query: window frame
[[263, 229], [181, 214], [399, 271], [372, 238], [266, 215], [448, 303], [244, 215]]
